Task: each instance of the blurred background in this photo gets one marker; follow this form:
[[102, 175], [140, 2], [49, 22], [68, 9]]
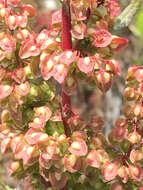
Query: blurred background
[[87, 99]]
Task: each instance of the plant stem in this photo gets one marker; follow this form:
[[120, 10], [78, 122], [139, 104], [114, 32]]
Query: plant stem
[[66, 26], [5, 3], [66, 45], [65, 99], [88, 13]]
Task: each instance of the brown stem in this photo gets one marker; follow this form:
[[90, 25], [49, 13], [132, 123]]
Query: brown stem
[[43, 182], [129, 151], [66, 45]]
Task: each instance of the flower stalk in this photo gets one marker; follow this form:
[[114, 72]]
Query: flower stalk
[[5, 3], [66, 45]]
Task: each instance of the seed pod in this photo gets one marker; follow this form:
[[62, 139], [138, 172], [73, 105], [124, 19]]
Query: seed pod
[[72, 163], [134, 137], [78, 147], [57, 179], [102, 38], [109, 170], [130, 94], [5, 90], [123, 173], [104, 80], [136, 172], [92, 159]]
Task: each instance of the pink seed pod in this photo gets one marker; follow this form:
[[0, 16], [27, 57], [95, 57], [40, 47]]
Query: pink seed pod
[[93, 159], [5, 90], [78, 147], [118, 43], [134, 137], [86, 64], [72, 163], [29, 48], [110, 170], [123, 173], [35, 136], [57, 179], [136, 172], [102, 38]]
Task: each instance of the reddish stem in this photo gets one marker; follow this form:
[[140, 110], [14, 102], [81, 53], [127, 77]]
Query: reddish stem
[[65, 99], [5, 3], [129, 151], [66, 45], [66, 26], [88, 13]]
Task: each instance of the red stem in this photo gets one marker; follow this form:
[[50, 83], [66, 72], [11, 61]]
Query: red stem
[[88, 13], [129, 151], [66, 26], [65, 99], [66, 45], [5, 3]]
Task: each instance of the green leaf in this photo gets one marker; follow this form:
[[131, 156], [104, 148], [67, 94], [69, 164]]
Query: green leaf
[[139, 22], [126, 16]]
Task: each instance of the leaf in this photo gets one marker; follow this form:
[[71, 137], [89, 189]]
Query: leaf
[[126, 16], [139, 22]]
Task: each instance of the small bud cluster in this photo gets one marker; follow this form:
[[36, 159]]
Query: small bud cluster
[[31, 118]]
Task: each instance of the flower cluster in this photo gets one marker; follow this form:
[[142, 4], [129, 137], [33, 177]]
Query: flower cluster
[[52, 146], [127, 134]]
